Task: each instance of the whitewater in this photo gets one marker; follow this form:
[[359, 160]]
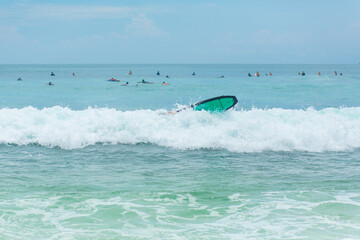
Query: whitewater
[[276, 129]]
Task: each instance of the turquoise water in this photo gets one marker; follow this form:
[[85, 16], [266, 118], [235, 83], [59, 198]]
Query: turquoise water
[[91, 159]]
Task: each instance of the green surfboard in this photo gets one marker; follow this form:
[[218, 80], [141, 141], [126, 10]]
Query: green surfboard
[[216, 104]]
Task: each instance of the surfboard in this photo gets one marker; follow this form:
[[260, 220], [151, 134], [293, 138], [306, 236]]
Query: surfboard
[[216, 104]]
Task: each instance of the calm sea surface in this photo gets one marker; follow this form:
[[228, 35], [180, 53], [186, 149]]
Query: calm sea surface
[[92, 159]]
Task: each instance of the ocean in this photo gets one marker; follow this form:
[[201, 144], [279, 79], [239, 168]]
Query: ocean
[[91, 159]]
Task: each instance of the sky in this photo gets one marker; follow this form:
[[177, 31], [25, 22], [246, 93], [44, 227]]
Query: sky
[[180, 31]]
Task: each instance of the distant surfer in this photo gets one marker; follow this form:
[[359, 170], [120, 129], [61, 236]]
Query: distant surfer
[[73, 74], [193, 74], [270, 74], [222, 76], [158, 73], [319, 73], [303, 73], [114, 80], [126, 84], [164, 83], [52, 74], [335, 73], [130, 73], [167, 76], [257, 74], [50, 84], [340, 74], [249, 75], [19, 79], [143, 81]]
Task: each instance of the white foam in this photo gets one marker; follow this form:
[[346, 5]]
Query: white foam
[[254, 130]]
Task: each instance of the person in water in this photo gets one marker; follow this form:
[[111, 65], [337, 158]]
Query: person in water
[[50, 84], [167, 76], [130, 73], [193, 74], [158, 73], [249, 75], [222, 76], [74, 74], [335, 73], [19, 79], [270, 74], [319, 73], [340, 74], [303, 73], [52, 74], [164, 83]]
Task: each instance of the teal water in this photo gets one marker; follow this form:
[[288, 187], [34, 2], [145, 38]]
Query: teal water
[[91, 159]]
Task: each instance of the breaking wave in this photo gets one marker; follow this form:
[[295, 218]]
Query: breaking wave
[[256, 130]]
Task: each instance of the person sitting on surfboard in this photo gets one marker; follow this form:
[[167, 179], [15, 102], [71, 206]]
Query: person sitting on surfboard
[[164, 83], [19, 79], [158, 73], [50, 84], [193, 74], [52, 74]]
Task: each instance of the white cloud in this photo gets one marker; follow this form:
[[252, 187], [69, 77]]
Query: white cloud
[[142, 25], [69, 12], [9, 33]]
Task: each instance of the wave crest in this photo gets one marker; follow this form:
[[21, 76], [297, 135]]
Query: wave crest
[[255, 130]]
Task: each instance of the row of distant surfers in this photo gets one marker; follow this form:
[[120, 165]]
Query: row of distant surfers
[[257, 74], [125, 84]]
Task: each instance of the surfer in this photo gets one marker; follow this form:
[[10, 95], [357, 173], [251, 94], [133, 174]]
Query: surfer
[[270, 74], [19, 79], [303, 73], [319, 73], [158, 73], [126, 84], [257, 74], [130, 73], [52, 74], [50, 84], [193, 74], [335, 73], [222, 76], [73, 74], [249, 75], [167, 76], [340, 74], [164, 83]]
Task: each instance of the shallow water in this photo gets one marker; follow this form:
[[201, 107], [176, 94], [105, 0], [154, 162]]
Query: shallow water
[[102, 161]]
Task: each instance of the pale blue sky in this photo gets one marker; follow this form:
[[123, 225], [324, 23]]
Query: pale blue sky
[[228, 31]]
